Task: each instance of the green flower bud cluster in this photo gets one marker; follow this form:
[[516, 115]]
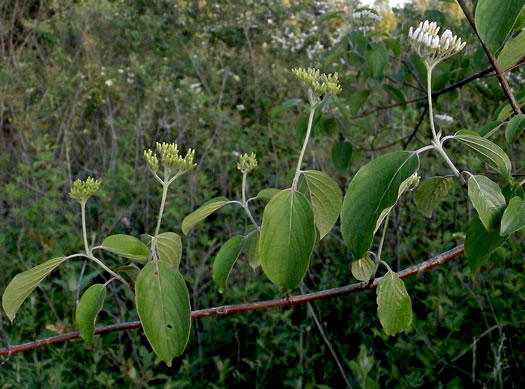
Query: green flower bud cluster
[[82, 190], [321, 84], [170, 158], [152, 160], [247, 163]]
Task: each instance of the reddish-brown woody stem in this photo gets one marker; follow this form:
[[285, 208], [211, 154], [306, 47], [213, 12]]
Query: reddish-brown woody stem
[[230, 309]]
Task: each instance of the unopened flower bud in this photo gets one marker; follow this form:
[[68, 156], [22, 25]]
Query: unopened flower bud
[[320, 84], [82, 190], [152, 160], [430, 46], [247, 163]]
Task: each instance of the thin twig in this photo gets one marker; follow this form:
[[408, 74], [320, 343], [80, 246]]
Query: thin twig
[[416, 129], [501, 76], [328, 344], [231, 309]]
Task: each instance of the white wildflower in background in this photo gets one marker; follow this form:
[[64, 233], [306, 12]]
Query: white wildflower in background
[[109, 82], [240, 107], [367, 15], [431, 47], [444, 120]]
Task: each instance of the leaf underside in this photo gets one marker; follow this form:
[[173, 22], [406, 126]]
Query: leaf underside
[[24, 283]]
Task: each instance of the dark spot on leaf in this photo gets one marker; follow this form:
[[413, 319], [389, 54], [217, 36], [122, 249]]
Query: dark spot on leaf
[[156, 273], [170, 326]]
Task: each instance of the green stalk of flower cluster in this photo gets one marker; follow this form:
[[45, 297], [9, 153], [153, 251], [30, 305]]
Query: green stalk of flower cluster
[[305, 143], [320, 86], [436, 141]]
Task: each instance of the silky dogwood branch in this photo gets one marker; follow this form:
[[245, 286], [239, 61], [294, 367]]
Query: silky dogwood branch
[[231, 309]]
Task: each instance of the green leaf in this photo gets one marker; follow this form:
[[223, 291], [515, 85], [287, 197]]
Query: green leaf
[[394, 45], [394, 306], [377, 57], [169, 248], [284, 106], [287, 238], [488, 129], [357, 99], [512, 52], [363, 269], [24, 283], [325, 197], [375, 187], [202, 213], [224, 261], [489, 152], [88, 308], [514, 128], [514, 217], [480, 244], [129, 272], [126, 246], [430, 192], [487, 198], [434, 15], [267, 194], [395, 93], [495, 19], [251, 250], [505, 109], [163, 306], [341, 154]]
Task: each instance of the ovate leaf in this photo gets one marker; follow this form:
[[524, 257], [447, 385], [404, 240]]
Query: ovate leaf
[[24, 283], [224, 261], [480, 244], [512, 52], [363, 269], [495, 19], [251, 250], [489, 152], [276, 111], [487, 198], [287, 238], [394, 306], [514, 217], [357, 99], [267, 194], [326, 198], [202, 213], [163, 306], [126, 246], [88, 308], [514, 128], [341, 154], [374, 188], [169, 248], [430, 192], [377, 58]]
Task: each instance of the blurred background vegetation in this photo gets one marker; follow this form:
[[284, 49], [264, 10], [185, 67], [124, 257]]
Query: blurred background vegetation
[[87, 85]]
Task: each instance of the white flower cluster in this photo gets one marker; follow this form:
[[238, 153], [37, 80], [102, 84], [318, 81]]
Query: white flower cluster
[[430, 46], [366, 14]]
